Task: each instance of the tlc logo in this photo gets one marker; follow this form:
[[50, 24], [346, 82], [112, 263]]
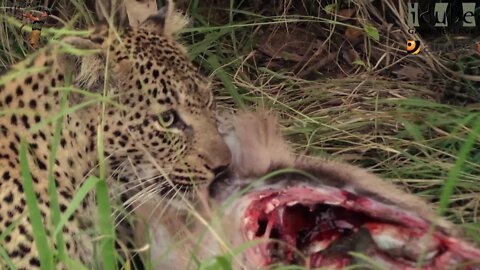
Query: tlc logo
[[413, 46], [440, 15]]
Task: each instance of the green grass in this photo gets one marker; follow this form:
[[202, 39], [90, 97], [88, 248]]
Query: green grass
[[52, 188], [397, 129], [39, 233]]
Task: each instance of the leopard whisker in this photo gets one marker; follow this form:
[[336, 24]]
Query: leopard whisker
[[130, 188], [172, 198], [138, 195], [119, 217], [144, 198], [152, 188], [161, 202]]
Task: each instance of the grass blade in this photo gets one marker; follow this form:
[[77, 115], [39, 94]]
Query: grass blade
[[226, 80], [81, 193], [3, 252], [455, 172], [107, 229], [52, 188], [6, 258], [44, 253]]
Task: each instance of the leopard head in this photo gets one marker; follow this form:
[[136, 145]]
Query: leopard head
[[160, 134]]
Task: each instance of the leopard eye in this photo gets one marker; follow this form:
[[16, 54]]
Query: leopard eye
[[167, 119]]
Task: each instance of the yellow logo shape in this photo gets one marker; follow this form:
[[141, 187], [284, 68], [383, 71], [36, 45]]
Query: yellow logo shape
[[413, 46]]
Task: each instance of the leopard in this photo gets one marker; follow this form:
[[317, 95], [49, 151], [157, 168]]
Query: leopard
[[126, 101]]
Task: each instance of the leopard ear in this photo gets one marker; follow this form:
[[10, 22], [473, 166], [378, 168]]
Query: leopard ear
[[139, 10], [125, 12], [168, 21], [85, 58]]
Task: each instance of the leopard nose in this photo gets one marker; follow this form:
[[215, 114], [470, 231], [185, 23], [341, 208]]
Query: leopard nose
[[219, 170]]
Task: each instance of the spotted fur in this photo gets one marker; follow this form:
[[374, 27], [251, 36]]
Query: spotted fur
[[149, 77]]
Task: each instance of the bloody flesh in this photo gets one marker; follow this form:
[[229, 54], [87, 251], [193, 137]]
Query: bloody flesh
[[325, 225]]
